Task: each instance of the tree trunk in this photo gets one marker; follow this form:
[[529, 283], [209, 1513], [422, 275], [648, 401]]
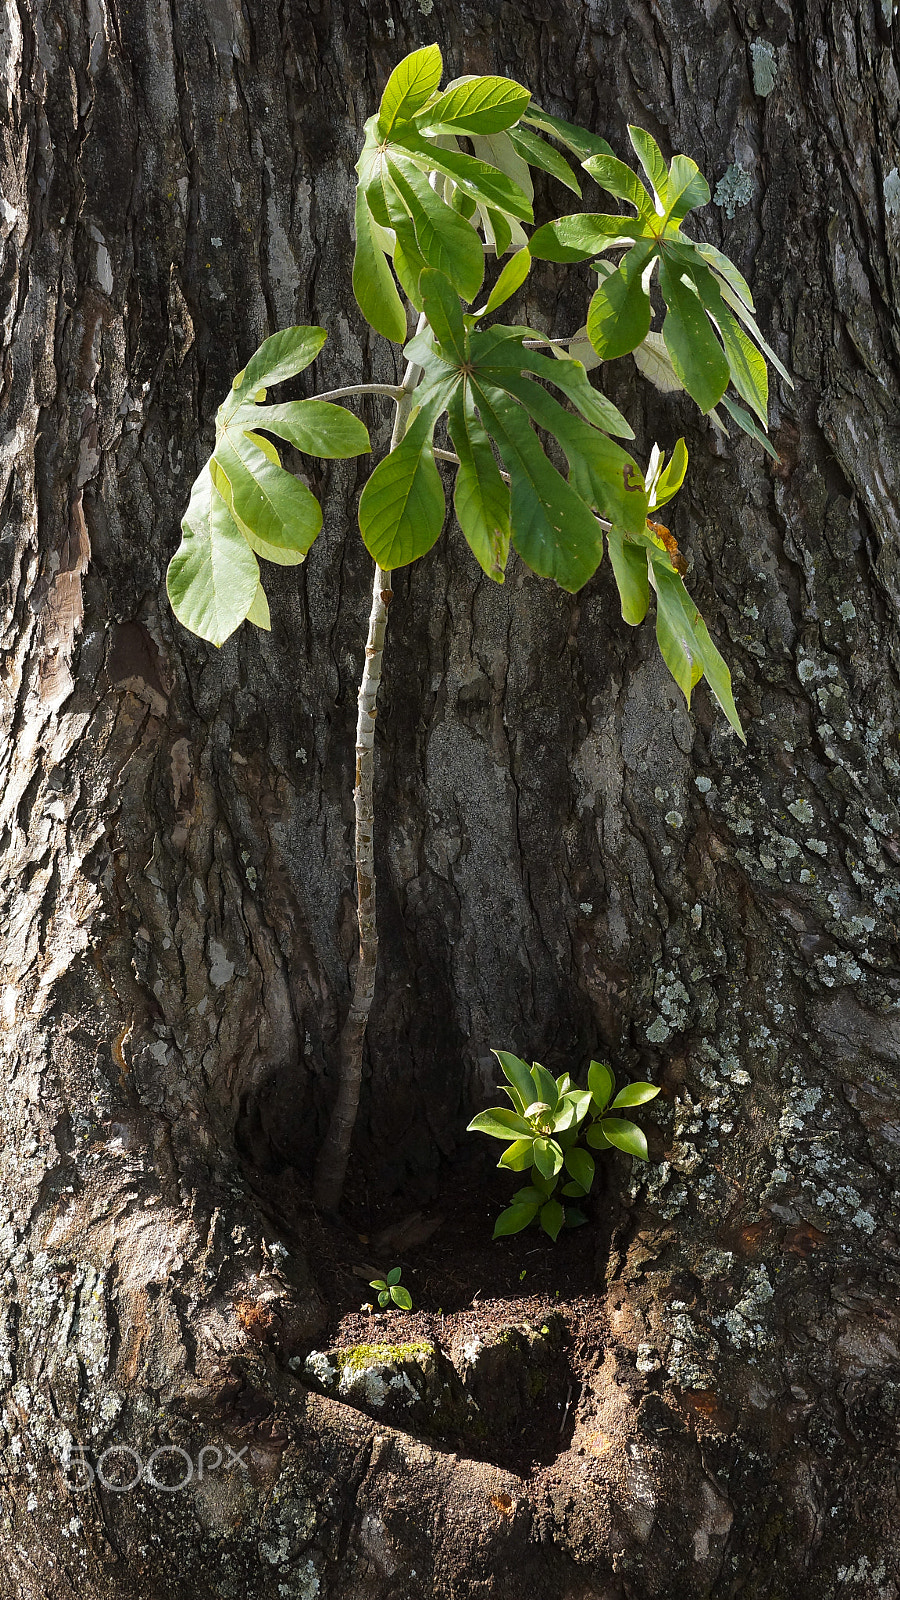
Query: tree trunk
[[570, 863]]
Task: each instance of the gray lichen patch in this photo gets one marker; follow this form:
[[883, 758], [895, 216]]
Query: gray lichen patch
[[763, 61], [734, 189]]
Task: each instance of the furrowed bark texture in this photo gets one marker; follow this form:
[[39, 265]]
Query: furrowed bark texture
[[570, 862]]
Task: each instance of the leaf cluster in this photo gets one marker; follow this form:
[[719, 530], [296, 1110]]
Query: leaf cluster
[[709, 339], [391, 1290], [244, 504], [445, 184], [546, 1132]]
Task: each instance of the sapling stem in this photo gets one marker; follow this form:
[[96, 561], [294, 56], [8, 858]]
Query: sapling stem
[[331, 1165]]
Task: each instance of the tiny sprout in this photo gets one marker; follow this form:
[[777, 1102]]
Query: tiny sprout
[[522, 1273], [390, 1289]]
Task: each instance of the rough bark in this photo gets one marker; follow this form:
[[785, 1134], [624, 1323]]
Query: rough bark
[[570, 862]]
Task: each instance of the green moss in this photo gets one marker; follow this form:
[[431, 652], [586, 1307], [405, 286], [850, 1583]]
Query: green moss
[[360, 1356]]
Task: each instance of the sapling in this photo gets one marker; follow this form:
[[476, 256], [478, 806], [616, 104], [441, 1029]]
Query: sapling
[[445, 191], [546, 1132], [391, 1291]]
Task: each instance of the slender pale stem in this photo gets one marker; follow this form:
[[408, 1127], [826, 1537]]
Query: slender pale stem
[[392, 390], [331, 1166]]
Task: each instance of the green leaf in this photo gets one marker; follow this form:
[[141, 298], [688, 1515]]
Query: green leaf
[[687, 188], [635, 1094], [377, 1283], [402, 508], [511, 278], [746, 422], [685, 644], [441, 305], [316, 427], [530, 1194], [545, 1084], [578, 140], [394, 1276], [653, 360], [601, 1083], [581, 1166], [446, 241], [514, 1219], [698, 358], [726, 269], [409, 266], [497, 230], [279, 357], [498, 150], [480, 496], [581, 1100], [619, 313], [563, 1117], [477, 105], [277, 514], [518, 1073], [552, 528], [519, 1157], [625, 1136], [548, 1157], [570, 1190], [582, 235], [533, 149], [602, 473], [621, 181], [259, 611], [401, 1297], [213, 577], [574, 1217], [552, 1218], [650, 156], [740, 309], [596, 1138], [671, 477], [373, 284], [629, 564], [384, 1298], [747, 366], [500, 1124], [409, 87], [568, 374], [484, 183]]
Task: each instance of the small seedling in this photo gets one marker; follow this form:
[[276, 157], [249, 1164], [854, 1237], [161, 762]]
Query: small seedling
[[544, 1132], [391, 1290]]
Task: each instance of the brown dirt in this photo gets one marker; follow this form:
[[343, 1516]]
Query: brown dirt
[[466, 1285]]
